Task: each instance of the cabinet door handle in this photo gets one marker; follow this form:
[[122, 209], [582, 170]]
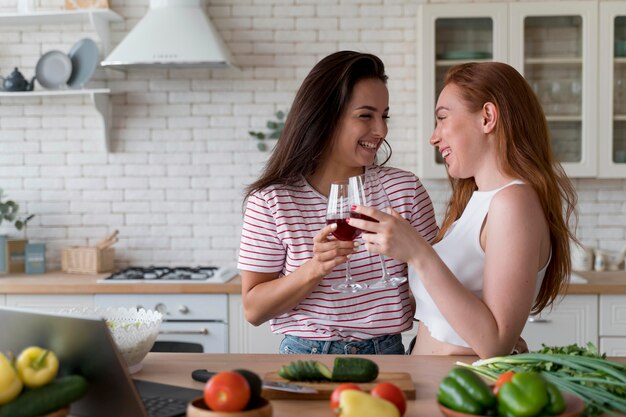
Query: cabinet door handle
[[538, 320], [202, 331]]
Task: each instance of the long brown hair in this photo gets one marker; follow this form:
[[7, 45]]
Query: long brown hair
[[314, 116], [524, 151]]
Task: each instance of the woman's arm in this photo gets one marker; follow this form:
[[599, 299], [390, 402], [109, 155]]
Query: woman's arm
[[516, 241], [266, 296]]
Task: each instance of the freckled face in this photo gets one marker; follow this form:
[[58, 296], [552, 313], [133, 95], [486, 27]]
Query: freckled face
[[362, 126], [457, 134]]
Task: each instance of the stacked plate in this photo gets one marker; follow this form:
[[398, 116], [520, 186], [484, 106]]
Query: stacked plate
[[56, 70]]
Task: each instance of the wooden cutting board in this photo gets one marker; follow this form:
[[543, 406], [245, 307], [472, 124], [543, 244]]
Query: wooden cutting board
[[401, 379]]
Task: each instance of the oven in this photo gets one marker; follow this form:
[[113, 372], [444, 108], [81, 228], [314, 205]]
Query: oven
[[191, 322]]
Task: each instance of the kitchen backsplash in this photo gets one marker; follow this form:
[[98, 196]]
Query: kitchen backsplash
[[180, 150]]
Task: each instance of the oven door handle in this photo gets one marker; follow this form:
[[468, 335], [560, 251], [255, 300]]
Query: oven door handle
[[203, 331]]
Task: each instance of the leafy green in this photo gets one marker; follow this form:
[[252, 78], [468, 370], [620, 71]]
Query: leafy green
[[582, 371]]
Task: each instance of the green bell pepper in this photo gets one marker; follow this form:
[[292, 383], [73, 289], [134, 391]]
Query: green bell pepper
[[556, 402], [463, 390], [525, 395]]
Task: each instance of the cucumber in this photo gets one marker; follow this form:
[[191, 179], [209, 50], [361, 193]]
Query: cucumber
[[49, 398], [305, 371], [350, 369]]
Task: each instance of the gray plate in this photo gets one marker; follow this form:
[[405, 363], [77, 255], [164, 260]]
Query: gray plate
[[53, 70], [84, 56]]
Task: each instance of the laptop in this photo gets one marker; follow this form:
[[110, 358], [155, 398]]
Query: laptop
[[85, 346]]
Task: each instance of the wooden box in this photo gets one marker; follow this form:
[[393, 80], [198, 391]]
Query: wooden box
[[14, 255], [86, 4], [87, 260]]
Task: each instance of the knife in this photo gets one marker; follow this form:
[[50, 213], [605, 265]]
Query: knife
[[203, 375]]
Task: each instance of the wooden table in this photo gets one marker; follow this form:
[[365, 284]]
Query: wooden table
[[426, 371]]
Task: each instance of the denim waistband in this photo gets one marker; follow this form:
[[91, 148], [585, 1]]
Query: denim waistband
[[381, 345]]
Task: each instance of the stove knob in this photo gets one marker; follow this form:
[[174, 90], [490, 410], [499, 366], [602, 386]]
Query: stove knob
[[161, 308], [139, 307], [183, 309]]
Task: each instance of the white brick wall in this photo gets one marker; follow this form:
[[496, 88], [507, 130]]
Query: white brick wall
[[181, 153]]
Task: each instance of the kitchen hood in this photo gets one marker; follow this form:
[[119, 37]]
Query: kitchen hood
[[174, 33]]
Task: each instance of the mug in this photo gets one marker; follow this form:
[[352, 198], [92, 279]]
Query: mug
[[600, 261]]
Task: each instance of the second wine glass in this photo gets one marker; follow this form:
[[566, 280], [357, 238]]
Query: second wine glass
[[369, 191]]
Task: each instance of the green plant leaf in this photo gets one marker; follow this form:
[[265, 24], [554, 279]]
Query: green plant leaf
[[275, 134], [19, 225], [280, 115], [261, 146], [271, 125]]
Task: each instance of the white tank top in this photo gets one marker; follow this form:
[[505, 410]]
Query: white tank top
[[460, 250]]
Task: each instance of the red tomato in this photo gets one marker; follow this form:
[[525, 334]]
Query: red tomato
[[393, 394], [227, 391], [334, 398], [502, 379]]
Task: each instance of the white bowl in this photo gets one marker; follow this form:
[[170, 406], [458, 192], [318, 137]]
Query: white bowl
[[134, 331]]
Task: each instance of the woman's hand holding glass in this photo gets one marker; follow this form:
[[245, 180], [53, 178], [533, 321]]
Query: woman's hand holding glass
[[327, 253]]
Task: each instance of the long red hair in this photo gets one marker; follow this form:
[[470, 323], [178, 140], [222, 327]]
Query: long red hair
[[524, 151]]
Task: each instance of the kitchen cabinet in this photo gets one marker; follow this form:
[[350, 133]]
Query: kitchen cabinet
[[553, 44], [612, 90], [246, 338], [49, 303], [2, 299], [573, 320], [613, 324], [99, 20]]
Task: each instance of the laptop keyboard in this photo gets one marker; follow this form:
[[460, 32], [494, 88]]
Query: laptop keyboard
[[164, 407]]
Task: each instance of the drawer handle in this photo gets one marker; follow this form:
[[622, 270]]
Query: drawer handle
[[202, 331], [538, 320]]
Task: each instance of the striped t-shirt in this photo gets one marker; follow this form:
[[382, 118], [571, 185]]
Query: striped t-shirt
[[277, 237]]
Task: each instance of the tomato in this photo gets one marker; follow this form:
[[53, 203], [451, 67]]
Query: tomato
[[227, 391], [502, 379], [393, 394], [334, 398]]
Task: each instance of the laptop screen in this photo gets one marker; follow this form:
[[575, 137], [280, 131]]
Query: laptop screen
[[84, 346]]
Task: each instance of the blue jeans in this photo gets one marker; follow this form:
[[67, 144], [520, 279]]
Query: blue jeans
[[382, 345]]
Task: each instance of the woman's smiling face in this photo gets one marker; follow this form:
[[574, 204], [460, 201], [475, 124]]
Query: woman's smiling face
[[456, 134], [362, 126]]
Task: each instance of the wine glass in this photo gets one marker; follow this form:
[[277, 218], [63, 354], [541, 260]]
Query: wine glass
[[370, 192], [340, 200]]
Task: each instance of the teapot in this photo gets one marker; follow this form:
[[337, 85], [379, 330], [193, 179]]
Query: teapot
[[17, 82]]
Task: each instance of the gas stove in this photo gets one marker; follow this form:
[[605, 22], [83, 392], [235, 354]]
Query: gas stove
[[172, 274]]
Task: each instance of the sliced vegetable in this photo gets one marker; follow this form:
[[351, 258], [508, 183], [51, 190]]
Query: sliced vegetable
[[37, 366], [305, 371], [49, 398], [10, 383]]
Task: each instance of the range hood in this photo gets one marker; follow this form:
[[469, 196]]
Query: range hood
[[174, 33]]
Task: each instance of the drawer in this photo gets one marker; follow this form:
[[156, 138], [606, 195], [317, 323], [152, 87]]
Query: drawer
[[613, 315], [573, 320], [172, 306], [613, 346]]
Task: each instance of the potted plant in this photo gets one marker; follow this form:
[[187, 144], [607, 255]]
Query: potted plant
[[12, 251]]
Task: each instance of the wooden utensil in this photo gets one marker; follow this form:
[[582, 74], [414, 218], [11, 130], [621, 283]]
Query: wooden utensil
[[105, 243], [325, 389]]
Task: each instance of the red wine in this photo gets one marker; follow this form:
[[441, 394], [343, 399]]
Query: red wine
[[344, 230]]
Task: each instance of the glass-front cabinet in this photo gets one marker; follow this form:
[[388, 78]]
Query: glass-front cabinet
[[612, 90], [555, 48], [554, 45], [450, 36]]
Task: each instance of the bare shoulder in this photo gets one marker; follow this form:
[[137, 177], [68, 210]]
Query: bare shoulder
[[517, 199]]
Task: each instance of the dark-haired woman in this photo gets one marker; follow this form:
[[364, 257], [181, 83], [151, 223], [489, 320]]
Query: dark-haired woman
[[288, 259], [503, 249]]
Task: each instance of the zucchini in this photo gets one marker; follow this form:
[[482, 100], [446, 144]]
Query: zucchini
[[305, 371], [49, 398], [348, 369]]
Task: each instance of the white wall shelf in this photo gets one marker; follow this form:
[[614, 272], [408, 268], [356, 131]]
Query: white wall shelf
[[99, 97], [98, 18]]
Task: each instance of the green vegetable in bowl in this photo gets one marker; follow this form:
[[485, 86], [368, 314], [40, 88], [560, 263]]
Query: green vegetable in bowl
[[463, 390]]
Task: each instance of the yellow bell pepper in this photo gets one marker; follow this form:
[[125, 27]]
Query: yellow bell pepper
[[353, 403], [37, 366], [10, 384]]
